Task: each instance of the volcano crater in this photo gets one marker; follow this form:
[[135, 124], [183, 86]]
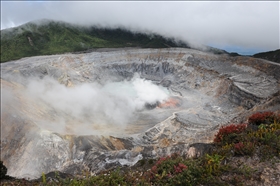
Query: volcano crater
[[103, 109]]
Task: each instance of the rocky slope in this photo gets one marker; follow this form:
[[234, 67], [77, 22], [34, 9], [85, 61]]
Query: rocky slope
[[205, 91]]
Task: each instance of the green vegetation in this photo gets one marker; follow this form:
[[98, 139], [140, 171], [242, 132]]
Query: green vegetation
[[225, 165], [58, 37], [261, 137]]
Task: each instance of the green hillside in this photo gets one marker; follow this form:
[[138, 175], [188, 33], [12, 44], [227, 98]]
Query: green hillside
[[53, 37]]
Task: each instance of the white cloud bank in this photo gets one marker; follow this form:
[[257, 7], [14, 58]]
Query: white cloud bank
[[242, 24]]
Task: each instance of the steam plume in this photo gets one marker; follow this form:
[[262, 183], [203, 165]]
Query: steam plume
[[90, 105]]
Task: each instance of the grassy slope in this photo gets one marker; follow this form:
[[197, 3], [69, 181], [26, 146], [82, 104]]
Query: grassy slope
[[58, 37]]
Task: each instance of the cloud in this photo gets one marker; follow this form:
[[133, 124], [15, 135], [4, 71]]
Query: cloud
[[242, 24]]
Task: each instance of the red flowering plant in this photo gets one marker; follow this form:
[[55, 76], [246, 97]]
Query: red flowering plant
[[228, 133], [180, 168], [244, 148], [157, 168], [263, 118], [167, 167]]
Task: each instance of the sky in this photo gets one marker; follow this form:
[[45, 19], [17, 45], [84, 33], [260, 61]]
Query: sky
[[236, 26]]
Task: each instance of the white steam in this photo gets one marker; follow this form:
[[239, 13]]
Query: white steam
[[91, 104]]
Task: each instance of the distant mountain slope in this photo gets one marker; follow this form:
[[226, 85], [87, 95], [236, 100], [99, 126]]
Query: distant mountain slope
[[46, 37], [271, 55], [53, 37]]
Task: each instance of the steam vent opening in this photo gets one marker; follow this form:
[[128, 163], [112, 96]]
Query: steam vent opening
[[102, 109]]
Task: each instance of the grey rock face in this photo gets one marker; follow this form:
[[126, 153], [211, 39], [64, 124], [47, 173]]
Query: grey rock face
[[205, 92]]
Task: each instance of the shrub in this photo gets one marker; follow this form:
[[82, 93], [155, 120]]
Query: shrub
[[175, 170], [263, 118], [244, 148], [228, 132], [212, 163]]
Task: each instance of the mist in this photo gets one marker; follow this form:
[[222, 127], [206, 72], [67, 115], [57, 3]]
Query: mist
[[88, 108], [250, 26]]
